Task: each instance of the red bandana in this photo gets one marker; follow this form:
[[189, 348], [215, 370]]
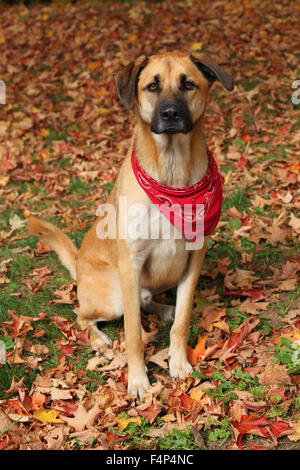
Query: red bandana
[[186, 214]]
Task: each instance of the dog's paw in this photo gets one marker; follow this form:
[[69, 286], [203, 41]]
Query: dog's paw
[[180, 368], [167, 313], [138, 385], [100, 341]]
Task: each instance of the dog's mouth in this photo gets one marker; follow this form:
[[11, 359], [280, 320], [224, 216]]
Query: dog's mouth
[[171, 130], [172, 117]]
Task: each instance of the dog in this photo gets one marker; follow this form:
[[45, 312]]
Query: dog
[[120, 275]]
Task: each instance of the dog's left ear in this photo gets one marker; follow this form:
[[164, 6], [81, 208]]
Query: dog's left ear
[[212, 71], [126, 80]]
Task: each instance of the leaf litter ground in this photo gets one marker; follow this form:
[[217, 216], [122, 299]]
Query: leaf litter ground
[[63, 135]]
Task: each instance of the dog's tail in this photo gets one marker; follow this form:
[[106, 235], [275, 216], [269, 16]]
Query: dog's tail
[[57, 240]]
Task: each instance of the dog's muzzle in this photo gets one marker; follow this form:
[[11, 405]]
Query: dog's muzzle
[[172, 117]]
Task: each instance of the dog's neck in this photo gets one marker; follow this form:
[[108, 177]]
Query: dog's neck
[[176, 160]]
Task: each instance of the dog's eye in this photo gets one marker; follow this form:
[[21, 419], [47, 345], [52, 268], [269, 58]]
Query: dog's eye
[[153, 86], [189, 85]]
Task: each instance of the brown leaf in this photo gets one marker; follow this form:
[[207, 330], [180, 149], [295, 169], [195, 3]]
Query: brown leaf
[[296, 434], [274, 374], [211, 315], [159, 358], [83, 418], [5, 421]]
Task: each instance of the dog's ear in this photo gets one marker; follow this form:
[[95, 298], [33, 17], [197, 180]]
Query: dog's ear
[[126, 80], [211, 70]]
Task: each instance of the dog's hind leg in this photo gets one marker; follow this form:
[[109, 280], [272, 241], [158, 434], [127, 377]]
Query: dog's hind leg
[[99, 297]]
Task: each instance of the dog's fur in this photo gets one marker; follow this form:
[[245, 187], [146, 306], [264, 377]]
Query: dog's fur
[[116, 276]]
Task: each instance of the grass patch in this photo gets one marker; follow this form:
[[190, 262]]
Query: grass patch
[[177, 440], [217, 250], [288, 353], [238, 199]]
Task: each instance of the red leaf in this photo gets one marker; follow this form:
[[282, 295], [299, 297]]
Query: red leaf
[[69, 408], [39, 333], [150, 413], [240, 334], [187, 402], [242, 163], [195, 354], [82, 335], [250, 423], [279, 428], [112, 438], [277, 392]]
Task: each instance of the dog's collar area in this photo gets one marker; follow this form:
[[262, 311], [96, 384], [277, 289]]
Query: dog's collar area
[[173, 203]]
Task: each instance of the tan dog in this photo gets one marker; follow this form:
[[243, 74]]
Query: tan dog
[[121, 275]]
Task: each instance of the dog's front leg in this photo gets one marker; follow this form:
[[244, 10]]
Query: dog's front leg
[[178, 362], [130, 274]]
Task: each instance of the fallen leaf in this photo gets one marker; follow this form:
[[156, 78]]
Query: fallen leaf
[[124, 422], [274, 374], [47, 416], [295, 436], [195, 354]]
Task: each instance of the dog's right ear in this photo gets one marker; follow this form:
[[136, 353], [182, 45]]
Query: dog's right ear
[[126, 80], [211, 70]]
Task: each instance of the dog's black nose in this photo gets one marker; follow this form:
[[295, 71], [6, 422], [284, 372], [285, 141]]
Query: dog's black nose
[[170, 113], [172, 117]]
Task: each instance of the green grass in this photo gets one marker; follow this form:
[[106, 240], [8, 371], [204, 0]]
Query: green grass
[[283, 306], [177, 440], [234, 318], [137, 433], [221, 431], [224, 391], [77, 186], [54, 136], [217, 250], [238, 199], [288, 353]]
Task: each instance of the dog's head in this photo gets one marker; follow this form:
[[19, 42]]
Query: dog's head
[[170, 90]]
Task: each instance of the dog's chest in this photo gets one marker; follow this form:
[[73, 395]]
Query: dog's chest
[[165, 263], [161, 248]]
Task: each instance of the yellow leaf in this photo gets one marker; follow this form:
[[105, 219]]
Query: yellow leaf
[[169, 417], [4, 181], [101, 110], [132, 37], [45, 155], [47, 416], [123, 422], [44, 132], [228, 177], [196, 394], [222, 325], [134, 14], [196, 46], [11, 196]]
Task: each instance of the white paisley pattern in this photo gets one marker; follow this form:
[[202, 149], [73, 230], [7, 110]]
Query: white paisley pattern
[[193, 209]]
